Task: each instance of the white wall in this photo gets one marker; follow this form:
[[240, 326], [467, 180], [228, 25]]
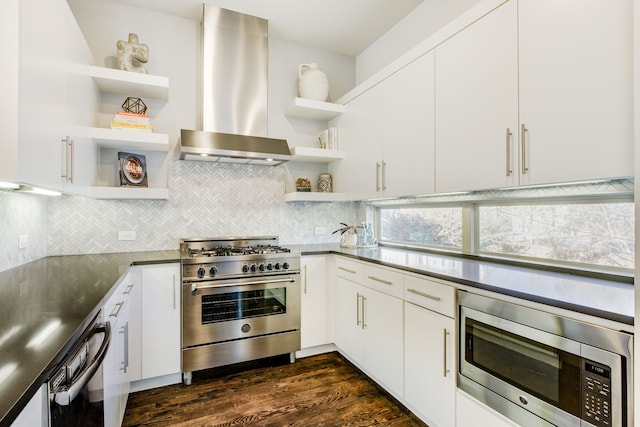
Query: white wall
[[422, 22]]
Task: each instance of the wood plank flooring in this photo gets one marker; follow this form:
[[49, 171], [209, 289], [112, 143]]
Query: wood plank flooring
[[322, 390]]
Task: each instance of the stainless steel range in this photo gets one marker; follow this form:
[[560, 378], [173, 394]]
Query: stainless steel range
[[240, 301]]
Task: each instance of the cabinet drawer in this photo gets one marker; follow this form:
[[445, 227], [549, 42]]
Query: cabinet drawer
[[430, 294], [384, 280], [350, 270]]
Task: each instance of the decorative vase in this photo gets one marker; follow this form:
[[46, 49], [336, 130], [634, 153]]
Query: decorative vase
[[324, 183], [349, 240], [312, 83]]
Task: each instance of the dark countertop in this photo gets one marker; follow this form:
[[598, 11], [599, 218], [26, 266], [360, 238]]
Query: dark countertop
[[66, 291], [606, 299]]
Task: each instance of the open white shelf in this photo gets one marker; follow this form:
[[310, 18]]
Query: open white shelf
[[312, 196], [316, 110], [316, 155], [123, 193], [110, 80], [129, 139]]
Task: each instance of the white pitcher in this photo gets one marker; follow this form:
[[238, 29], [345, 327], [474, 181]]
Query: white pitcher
[[312, 83]]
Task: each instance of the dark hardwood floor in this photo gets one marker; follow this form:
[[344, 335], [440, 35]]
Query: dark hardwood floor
[[323, 390]]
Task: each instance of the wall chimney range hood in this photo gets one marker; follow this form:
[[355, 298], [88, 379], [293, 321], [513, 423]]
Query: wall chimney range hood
[[234, 93]]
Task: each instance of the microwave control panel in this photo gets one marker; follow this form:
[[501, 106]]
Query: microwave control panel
[[596, 395]]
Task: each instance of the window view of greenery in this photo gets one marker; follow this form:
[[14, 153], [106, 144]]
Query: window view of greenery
[[440, 227], [596, 233]]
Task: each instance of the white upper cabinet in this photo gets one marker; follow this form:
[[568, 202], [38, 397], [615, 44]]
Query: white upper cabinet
[[576, 91], [388, 135], [477, 104], [536, 92]]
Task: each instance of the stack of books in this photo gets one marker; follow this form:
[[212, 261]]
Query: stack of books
[[131, 121]]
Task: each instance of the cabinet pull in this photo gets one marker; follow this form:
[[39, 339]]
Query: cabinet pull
[[508, 138], [377, 176], [358, 309], [444, 347], [386, 282], [523, 132], [115, 312], [347, 270], [71, 161], [305, 279], [174, 291], [384, 175], [128, 290], [422, 294]]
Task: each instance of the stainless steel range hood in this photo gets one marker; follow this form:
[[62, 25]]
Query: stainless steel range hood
[[234, 93]]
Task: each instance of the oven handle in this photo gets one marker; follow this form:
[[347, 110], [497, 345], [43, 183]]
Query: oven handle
[[65, 397], [195, 286]]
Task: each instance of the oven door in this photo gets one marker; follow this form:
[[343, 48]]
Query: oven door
[[225, 310]]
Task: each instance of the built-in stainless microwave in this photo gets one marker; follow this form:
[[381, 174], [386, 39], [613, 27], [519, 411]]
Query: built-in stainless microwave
[[540, 369]]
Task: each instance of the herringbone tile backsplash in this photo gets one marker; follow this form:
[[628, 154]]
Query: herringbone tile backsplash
[[205, 200]]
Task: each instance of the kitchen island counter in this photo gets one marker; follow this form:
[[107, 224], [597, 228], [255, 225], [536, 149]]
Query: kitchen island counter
[[58, 295], [606, 299]]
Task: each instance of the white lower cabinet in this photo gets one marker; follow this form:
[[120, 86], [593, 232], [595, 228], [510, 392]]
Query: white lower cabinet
[[160, 312], [368, 329], [313, 303], [471, 413], [35, 413]]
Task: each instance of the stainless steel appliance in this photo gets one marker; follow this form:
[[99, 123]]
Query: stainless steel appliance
[[540, 369], [240, 301], [70, 403]]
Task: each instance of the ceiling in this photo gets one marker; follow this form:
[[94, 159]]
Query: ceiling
[[342, 26]]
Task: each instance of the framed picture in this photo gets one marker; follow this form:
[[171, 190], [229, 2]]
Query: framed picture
[[133, 170]]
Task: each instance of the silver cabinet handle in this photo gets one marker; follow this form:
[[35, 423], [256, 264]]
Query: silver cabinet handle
[[364, 316], [377, 176], [67, 169], [347, 270], [358, 308], [72, 150], [422, 294], [446, 371], [174, 291], [115, 312], [386, 282], [384, 175], [508, 138], [128, 290], [305, 279], [523, 133], [123, 332], [126, 347]]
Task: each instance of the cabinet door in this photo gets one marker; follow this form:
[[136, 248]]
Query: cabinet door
[[471, 413], [35, 413], [313, 309], [160, 320], [408, 147], [576, 90], [430, 365], [383, 342], [360, 133], [476, 102], [115, 379], [348, 319]]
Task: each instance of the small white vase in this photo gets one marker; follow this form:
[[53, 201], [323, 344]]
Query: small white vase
[[349, 239], [312, 83]]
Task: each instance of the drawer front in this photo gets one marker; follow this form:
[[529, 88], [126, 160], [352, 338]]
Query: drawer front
[[388, 281], [430, 294], [349, 269]]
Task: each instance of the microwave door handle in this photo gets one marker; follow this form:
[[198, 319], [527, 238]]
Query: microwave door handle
[[63, 398], [195, 286]]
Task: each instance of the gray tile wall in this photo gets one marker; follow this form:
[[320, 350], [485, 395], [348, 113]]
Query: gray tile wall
[[22, 215], [205, 200]]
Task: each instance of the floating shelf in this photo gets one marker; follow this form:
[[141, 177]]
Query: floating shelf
[[129, 83], [123, 193], [316, 155], [304, 196], [316, 110], [129, 139]]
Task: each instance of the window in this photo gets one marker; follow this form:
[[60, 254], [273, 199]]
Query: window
[[423, 226], [587, 233], [557, 225]]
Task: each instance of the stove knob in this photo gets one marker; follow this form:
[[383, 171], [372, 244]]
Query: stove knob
[[254, 268], [213, 271], [261, 267], [245, 268], [285, 265], [277, 266], [269, 266], [201, 272]]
